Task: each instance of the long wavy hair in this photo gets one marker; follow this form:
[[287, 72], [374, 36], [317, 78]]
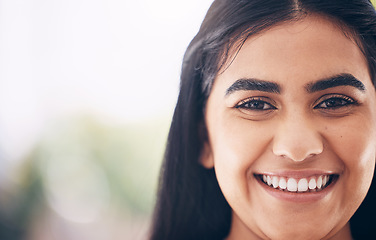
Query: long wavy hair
[[190, 204]]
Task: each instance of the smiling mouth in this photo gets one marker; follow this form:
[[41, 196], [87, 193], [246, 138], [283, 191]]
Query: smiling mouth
[[295, 185]]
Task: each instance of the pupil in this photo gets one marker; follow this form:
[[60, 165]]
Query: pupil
[[334, 102], [257, 105]]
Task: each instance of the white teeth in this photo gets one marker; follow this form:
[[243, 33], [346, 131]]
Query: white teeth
[[302, 185], [319, 182], [275, 182], [324, 180], [269, 180], [296, 185], [282, 183], [312, 184], [292, 185]]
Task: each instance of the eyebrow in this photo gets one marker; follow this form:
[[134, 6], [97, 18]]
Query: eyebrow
[[248, 84], [344, 79]]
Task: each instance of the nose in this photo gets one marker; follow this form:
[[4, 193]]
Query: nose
[[297, 138]]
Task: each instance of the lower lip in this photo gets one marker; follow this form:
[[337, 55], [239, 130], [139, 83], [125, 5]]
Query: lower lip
[[297, 197]]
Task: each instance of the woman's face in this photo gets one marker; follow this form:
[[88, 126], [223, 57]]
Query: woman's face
[[291, 132]]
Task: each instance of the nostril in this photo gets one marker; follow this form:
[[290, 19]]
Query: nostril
[[304, 158], [311, 155], [298, 147], [296, 156]]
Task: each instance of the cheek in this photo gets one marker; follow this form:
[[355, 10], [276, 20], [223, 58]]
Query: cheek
[[354, 144], [238, 142], [236, 147]]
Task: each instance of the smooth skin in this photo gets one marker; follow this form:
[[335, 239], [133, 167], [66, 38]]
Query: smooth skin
[[331, 130]]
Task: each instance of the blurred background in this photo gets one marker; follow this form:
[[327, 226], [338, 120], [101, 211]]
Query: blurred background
[[87, 91]]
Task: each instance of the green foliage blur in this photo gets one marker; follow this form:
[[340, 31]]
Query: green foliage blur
[[129, 155], [83, 168]]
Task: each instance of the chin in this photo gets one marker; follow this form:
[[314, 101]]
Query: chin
[[297, 229]]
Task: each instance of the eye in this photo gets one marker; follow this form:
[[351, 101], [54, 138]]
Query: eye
[[256, 104], [333, 102]]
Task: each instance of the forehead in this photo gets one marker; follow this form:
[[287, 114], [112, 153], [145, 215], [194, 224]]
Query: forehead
[[307, 49]]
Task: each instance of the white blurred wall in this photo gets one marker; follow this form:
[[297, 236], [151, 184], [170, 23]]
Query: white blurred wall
[[116, 59]]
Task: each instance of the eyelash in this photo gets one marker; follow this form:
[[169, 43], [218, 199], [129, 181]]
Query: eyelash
[[258, 101], [333, 100], [263, 104]]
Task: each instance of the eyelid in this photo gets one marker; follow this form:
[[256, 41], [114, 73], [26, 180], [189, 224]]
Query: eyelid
[[250, 109], [321, 100], [261, 99]]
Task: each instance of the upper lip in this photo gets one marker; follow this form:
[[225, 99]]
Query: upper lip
[[297, 173]]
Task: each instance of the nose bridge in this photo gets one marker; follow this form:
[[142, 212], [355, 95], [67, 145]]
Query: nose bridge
[[297, 137]]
